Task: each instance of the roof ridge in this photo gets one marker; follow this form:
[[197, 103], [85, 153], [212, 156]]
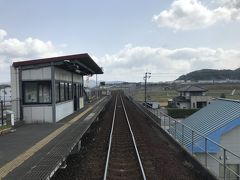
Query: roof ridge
[[188, 87], [225, 99]]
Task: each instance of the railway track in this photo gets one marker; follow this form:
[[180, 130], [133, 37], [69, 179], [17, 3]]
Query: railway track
[[128, 146], [123, 159]]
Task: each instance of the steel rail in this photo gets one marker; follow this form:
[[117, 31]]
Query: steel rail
[[134, 142], [110, 141]]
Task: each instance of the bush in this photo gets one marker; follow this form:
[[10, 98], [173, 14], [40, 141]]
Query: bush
[[181, 113], [222, 95]]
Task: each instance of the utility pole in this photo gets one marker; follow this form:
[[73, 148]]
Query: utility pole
[[4, 94], [147, 76]]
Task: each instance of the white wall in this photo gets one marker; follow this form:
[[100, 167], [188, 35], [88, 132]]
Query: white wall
[[212, 164], [77, 78], [15, 93], [62, 75], [187, 95], [231, 140], [37, 114], [64, 109], [43, 73], [195, 99], [81, 102]]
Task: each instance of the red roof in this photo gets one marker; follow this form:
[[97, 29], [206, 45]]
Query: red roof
[[83, 60]]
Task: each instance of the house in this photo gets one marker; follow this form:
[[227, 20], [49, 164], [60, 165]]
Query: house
[[191, 97], [220, 122], [47, 90]]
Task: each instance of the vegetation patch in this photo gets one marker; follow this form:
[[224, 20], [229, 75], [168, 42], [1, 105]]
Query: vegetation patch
[[180, 113], [4, 127], [211, 74]]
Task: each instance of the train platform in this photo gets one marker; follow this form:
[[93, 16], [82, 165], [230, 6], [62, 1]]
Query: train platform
[[36, 151]]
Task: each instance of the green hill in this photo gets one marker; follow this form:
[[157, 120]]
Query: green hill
[[212, 74]]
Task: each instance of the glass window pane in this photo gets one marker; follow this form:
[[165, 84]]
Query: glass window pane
[[30, 92], [61, 91], [80, 89], [70, 90], [44, 93], [66, 91], [57, 92]]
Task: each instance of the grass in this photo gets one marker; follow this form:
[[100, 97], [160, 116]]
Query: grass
[[160, 96], [214, 90], [4, 127]]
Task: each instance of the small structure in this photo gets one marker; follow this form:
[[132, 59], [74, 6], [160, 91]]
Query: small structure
[[191, 97], [220, 122], [47, 90], [153, 104]]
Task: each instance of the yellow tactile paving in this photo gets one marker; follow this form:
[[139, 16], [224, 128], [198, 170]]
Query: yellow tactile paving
[[10, 166]]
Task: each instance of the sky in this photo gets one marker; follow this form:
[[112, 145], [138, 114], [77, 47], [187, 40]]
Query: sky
[[127, 38]]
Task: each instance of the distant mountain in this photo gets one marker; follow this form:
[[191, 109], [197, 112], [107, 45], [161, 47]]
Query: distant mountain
[[211, 74], [92, 83]]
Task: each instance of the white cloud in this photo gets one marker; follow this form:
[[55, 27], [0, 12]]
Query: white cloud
[[12, 49], [192, 14], [2, 34], [229, 3], [130, 63]]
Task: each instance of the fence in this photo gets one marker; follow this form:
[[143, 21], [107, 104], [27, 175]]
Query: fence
[[200, 146], [5, 108]]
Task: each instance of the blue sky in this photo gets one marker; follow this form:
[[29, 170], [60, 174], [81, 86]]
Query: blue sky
[[127, 38]]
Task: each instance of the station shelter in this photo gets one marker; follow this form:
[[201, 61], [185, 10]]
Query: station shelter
[[47, 90]]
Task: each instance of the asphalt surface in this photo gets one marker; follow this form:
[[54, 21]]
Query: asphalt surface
[[26, 136]]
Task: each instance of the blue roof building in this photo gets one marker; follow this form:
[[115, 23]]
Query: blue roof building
[[220, 122]]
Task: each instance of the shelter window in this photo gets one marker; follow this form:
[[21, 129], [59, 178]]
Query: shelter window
[[78, 86], [30, 92], [57, 88], [62, 98], [70, 91], [81, 90], [44, 93], [37, 92], [66, 91]]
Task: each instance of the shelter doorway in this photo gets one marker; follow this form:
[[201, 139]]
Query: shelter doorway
[[75, 97]]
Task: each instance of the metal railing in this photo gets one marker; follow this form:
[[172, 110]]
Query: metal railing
[[6, 107], [199, 146]]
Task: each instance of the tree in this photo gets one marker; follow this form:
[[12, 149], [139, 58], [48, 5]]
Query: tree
[[222, 95]]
